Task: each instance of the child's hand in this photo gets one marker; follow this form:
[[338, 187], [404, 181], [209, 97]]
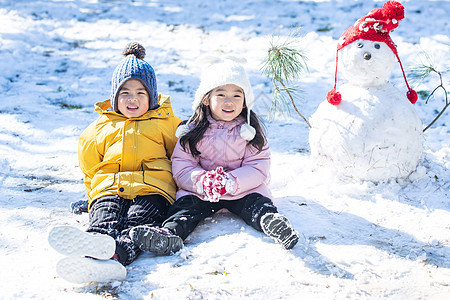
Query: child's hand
[[206, 186], [215, 184], [224, 183], [231, 184], [218, 186]]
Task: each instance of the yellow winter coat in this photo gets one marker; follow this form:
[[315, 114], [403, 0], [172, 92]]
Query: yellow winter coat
[[129, 157]]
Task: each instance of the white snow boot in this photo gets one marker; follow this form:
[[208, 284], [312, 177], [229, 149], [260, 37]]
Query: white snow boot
[[71, 241], [88, 255], [84, 270], [278, 227]]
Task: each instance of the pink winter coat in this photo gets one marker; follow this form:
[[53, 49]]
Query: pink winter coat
[[222, 145]]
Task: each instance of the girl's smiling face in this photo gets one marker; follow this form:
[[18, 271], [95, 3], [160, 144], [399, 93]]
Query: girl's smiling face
[[133, 99], [225, 102]]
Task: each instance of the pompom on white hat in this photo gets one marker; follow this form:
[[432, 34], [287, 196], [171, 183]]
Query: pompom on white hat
[[219, 71]]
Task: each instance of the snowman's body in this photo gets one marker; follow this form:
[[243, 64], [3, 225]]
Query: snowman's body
[[374, 133]]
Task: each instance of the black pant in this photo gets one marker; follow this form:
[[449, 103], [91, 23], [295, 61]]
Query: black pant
[[115, 216], [185, 214]]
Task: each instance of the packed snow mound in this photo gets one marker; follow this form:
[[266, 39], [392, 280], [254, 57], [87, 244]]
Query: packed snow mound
[[374, 133]]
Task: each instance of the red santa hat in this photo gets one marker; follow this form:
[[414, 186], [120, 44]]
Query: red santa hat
[[376, 27]]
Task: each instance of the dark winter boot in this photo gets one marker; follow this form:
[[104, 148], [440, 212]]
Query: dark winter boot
[[155, 239], [278, 227]]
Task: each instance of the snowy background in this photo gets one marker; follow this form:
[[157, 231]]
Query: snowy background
[[362, 240]]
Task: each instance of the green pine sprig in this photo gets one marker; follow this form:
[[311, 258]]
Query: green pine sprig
[[284, 64]]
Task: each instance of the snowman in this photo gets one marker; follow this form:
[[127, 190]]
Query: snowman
[[368, 130]]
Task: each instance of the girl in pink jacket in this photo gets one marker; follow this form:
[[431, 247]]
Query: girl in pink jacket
[[222, 160]]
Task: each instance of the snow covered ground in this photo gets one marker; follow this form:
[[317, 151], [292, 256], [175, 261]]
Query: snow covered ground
[[362, 240]]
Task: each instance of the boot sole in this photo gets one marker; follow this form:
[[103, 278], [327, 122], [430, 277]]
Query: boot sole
[[279, 228], [71, 241], [85, 270]]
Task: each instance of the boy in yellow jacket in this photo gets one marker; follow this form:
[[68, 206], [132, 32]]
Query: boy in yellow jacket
[[124, 155]]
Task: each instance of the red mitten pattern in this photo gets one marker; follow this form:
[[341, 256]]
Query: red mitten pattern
[[207, 182], [219, 183], [215, 184]]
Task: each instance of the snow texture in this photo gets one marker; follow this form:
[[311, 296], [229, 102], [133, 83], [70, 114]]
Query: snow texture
[[374, 133], [362, 240]]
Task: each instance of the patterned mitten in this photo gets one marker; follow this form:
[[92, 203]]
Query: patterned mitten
[[207, 185], [215, 184]]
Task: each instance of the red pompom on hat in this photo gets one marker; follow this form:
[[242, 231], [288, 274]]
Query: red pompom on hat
[[334, 97], [376, 27]]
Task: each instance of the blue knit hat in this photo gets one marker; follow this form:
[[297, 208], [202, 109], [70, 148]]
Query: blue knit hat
[[133, 66]]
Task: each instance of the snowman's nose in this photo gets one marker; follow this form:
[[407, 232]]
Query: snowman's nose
[[367, 56]]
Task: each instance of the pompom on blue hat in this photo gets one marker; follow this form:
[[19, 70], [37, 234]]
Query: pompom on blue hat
[[133, 66]]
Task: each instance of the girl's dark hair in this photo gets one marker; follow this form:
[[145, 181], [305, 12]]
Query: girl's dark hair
[[200, 124]]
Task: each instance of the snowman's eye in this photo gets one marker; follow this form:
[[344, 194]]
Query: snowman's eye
[[360, 45], [377, 46]]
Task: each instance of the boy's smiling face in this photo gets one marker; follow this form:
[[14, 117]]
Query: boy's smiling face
[[133, 99]]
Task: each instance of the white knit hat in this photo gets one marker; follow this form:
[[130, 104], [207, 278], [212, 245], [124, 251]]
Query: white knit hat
[[221, 71]]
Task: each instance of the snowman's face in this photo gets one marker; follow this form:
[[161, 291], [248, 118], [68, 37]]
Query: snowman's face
[[366, 63]]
